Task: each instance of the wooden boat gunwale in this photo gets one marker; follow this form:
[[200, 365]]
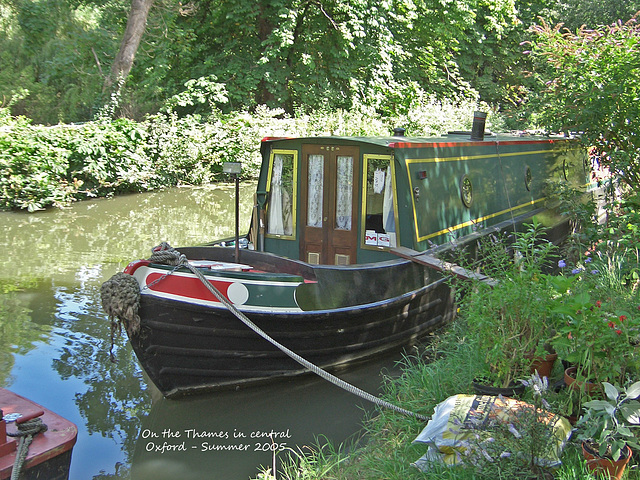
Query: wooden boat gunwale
[[50, 452]]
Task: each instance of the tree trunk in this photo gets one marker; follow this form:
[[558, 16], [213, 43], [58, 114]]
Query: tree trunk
[[136, 24]]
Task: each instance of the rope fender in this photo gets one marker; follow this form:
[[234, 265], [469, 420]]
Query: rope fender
[[166, 254], [120, 297]]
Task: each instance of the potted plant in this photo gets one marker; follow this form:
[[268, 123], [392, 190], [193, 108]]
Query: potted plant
[[594, 334], [508, 320], [607, 429]]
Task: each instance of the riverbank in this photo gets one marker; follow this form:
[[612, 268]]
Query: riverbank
[[446, 366], [43, 167], [582, 331]]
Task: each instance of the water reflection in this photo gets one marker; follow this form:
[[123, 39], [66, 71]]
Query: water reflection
[[54, 347], [55, 337], [229, 435], [92, 234], [18, 334]]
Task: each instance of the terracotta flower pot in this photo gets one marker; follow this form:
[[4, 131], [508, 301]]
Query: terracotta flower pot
[[543, 365], [571, 382], [610, 468]]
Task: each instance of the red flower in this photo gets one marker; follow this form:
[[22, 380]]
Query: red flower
[[611, 324], [618, 332], [622, 318], [599, 304]]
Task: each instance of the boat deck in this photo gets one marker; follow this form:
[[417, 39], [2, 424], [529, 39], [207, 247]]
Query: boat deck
[[50, 452]]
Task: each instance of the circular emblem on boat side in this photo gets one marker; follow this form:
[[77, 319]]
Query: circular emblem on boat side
[[237, 293], [466, 191], [527, 177]]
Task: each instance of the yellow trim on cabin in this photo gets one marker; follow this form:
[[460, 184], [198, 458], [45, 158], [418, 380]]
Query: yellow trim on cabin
[[496, 155], [294, 200], [365, 163], [471, 157], [481, 219]]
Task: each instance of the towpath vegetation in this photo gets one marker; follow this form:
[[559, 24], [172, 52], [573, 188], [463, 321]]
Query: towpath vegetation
[[44, 166]]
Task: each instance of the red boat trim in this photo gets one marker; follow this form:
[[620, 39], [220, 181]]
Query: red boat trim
[[528, 142], [486, 143], [186, 287], [189, 287], [133, 266], [270, 139]]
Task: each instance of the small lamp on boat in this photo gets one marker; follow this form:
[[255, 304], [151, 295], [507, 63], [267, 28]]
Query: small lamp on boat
[[234, 169]]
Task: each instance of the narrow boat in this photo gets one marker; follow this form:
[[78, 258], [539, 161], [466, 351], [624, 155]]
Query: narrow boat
[[341, 260], [53, 437]]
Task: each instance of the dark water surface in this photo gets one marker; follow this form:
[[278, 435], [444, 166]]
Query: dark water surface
[[54, 347]]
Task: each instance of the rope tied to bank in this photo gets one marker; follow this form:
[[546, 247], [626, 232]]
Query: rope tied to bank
[[166, 254], [26, 431]]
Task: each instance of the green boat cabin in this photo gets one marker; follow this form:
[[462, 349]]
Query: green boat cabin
[[350, 200]]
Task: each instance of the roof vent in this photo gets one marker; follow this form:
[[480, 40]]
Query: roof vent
[[477, 130], [399, 132]]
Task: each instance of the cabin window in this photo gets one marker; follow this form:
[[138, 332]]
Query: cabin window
[[379, 202], [315, 185], [282, 192], [528, 177], [344, 192]]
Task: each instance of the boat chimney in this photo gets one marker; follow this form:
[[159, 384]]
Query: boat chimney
[[477, 130], [398, 132]]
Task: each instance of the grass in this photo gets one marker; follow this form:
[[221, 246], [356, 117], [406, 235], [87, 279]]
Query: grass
[[445, 367]]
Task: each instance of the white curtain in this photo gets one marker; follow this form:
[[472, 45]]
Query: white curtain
[[378, 180], [276, 224], [387, 204], [316, 186], [344, 192]]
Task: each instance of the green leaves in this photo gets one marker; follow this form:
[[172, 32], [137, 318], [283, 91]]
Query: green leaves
[[589, 82], [609, 422]]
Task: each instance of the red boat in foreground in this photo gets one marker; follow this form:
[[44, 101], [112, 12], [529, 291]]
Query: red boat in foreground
[[49, 454]]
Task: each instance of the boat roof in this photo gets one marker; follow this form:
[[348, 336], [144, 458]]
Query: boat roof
[[448, 139]]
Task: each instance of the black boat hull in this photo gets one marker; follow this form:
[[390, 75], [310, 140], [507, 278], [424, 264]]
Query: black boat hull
[[186, 348]]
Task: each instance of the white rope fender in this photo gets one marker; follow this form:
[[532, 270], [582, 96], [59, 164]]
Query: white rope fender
[[165, 252]]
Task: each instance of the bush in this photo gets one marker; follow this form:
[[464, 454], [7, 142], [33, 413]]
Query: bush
[[52, 166]]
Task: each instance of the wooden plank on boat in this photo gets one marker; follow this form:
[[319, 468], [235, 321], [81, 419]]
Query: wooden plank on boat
[[440, 265]]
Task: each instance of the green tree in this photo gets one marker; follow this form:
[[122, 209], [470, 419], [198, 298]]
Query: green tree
[[589, 83], [51, 57], [576, 13]]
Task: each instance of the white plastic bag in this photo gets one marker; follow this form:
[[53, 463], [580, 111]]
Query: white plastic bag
[[461, 424]]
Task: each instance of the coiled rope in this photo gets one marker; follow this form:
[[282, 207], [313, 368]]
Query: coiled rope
[[26, 431], [164, 253]]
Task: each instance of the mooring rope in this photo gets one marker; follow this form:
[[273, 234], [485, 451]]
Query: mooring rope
[[167, 253], [26, 431]]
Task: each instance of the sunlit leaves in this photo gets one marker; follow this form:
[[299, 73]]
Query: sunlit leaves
[[590, 83]]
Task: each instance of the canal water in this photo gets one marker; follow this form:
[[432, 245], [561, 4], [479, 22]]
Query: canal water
[[55, 341]]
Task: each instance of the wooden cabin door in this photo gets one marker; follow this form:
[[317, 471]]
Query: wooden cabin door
[[329, 192]]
